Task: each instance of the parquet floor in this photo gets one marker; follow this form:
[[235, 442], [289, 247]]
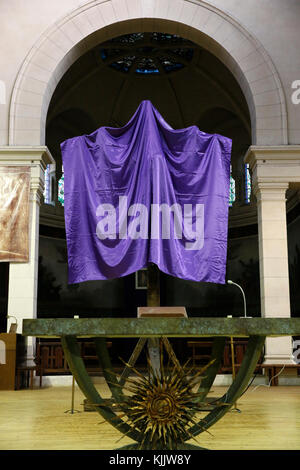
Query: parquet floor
[[36, 420]]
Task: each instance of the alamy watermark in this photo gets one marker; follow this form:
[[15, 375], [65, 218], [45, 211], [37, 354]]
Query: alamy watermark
[[296, 351], [296, 94], [167, 221]]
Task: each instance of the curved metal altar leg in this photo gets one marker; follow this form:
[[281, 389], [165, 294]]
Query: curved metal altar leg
[[76, 364], [132, 360], [77, 367], [105, 362], [212, 370], [244, 374]]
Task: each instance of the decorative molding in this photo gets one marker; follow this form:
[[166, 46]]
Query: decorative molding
[[279, 153], [270, 191], [26, 155], [274, 164]]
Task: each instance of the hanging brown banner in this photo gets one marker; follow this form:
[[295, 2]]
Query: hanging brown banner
[[14, 213]]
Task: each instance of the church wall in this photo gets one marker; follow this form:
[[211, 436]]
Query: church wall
[[294, 265], [205, 299], [58, 298], [22, 23], [276, 24], [120, 298]]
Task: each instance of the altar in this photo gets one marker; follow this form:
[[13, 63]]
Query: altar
[[256, 329]]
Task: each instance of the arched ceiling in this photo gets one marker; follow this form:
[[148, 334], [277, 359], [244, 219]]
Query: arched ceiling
[[186, 83]]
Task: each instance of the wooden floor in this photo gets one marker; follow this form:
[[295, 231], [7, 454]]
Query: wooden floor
[[32, 420]]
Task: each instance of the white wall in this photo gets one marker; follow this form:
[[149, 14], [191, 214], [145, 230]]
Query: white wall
[[21, 24], [274, 22]]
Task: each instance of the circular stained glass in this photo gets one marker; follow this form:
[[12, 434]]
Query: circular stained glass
[[147, 53]]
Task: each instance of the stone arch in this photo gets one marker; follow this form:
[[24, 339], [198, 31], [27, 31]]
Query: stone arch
[[97, 21]]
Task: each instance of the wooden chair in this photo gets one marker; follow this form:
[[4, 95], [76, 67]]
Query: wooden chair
[[201, 351], [201, 354], [25, 371], [50, 358]]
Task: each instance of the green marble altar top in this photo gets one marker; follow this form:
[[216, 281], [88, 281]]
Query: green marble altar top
[[151, 327]]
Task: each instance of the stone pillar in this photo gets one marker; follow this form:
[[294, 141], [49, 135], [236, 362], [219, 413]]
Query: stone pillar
[[23, 277], [273, 169], [273, 264]]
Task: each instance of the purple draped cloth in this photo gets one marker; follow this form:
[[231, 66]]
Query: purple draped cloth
[[146, 193]]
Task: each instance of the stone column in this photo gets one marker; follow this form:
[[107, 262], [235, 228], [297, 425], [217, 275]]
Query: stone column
[[273, 264], [273, 169], [23, 277]]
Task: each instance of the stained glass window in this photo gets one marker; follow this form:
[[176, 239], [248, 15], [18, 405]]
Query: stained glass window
[[166, 38], [147, 53], [47, 188], [61, 197], [248, 186], [128, 38], [146, 65], [231, 189], [124, 64]]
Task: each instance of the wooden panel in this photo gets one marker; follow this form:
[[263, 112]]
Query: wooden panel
[[161, 312], [200, 353], [8, 368], [50, 357]]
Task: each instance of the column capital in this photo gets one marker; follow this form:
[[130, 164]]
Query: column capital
[[26, 155], [270, 190], [37, 158], [274, 163], [257, 153], [36, 191]]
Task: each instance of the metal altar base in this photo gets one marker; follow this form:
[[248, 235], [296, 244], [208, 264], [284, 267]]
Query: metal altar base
[[256, 329], [179, 447]]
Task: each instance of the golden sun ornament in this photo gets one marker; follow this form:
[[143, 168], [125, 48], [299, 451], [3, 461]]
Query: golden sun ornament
[[162, 405]]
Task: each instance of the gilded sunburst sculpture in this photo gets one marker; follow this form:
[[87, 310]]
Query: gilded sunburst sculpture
[[162, 405]]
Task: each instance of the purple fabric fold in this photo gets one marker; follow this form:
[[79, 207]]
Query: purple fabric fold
[[146, 193]]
